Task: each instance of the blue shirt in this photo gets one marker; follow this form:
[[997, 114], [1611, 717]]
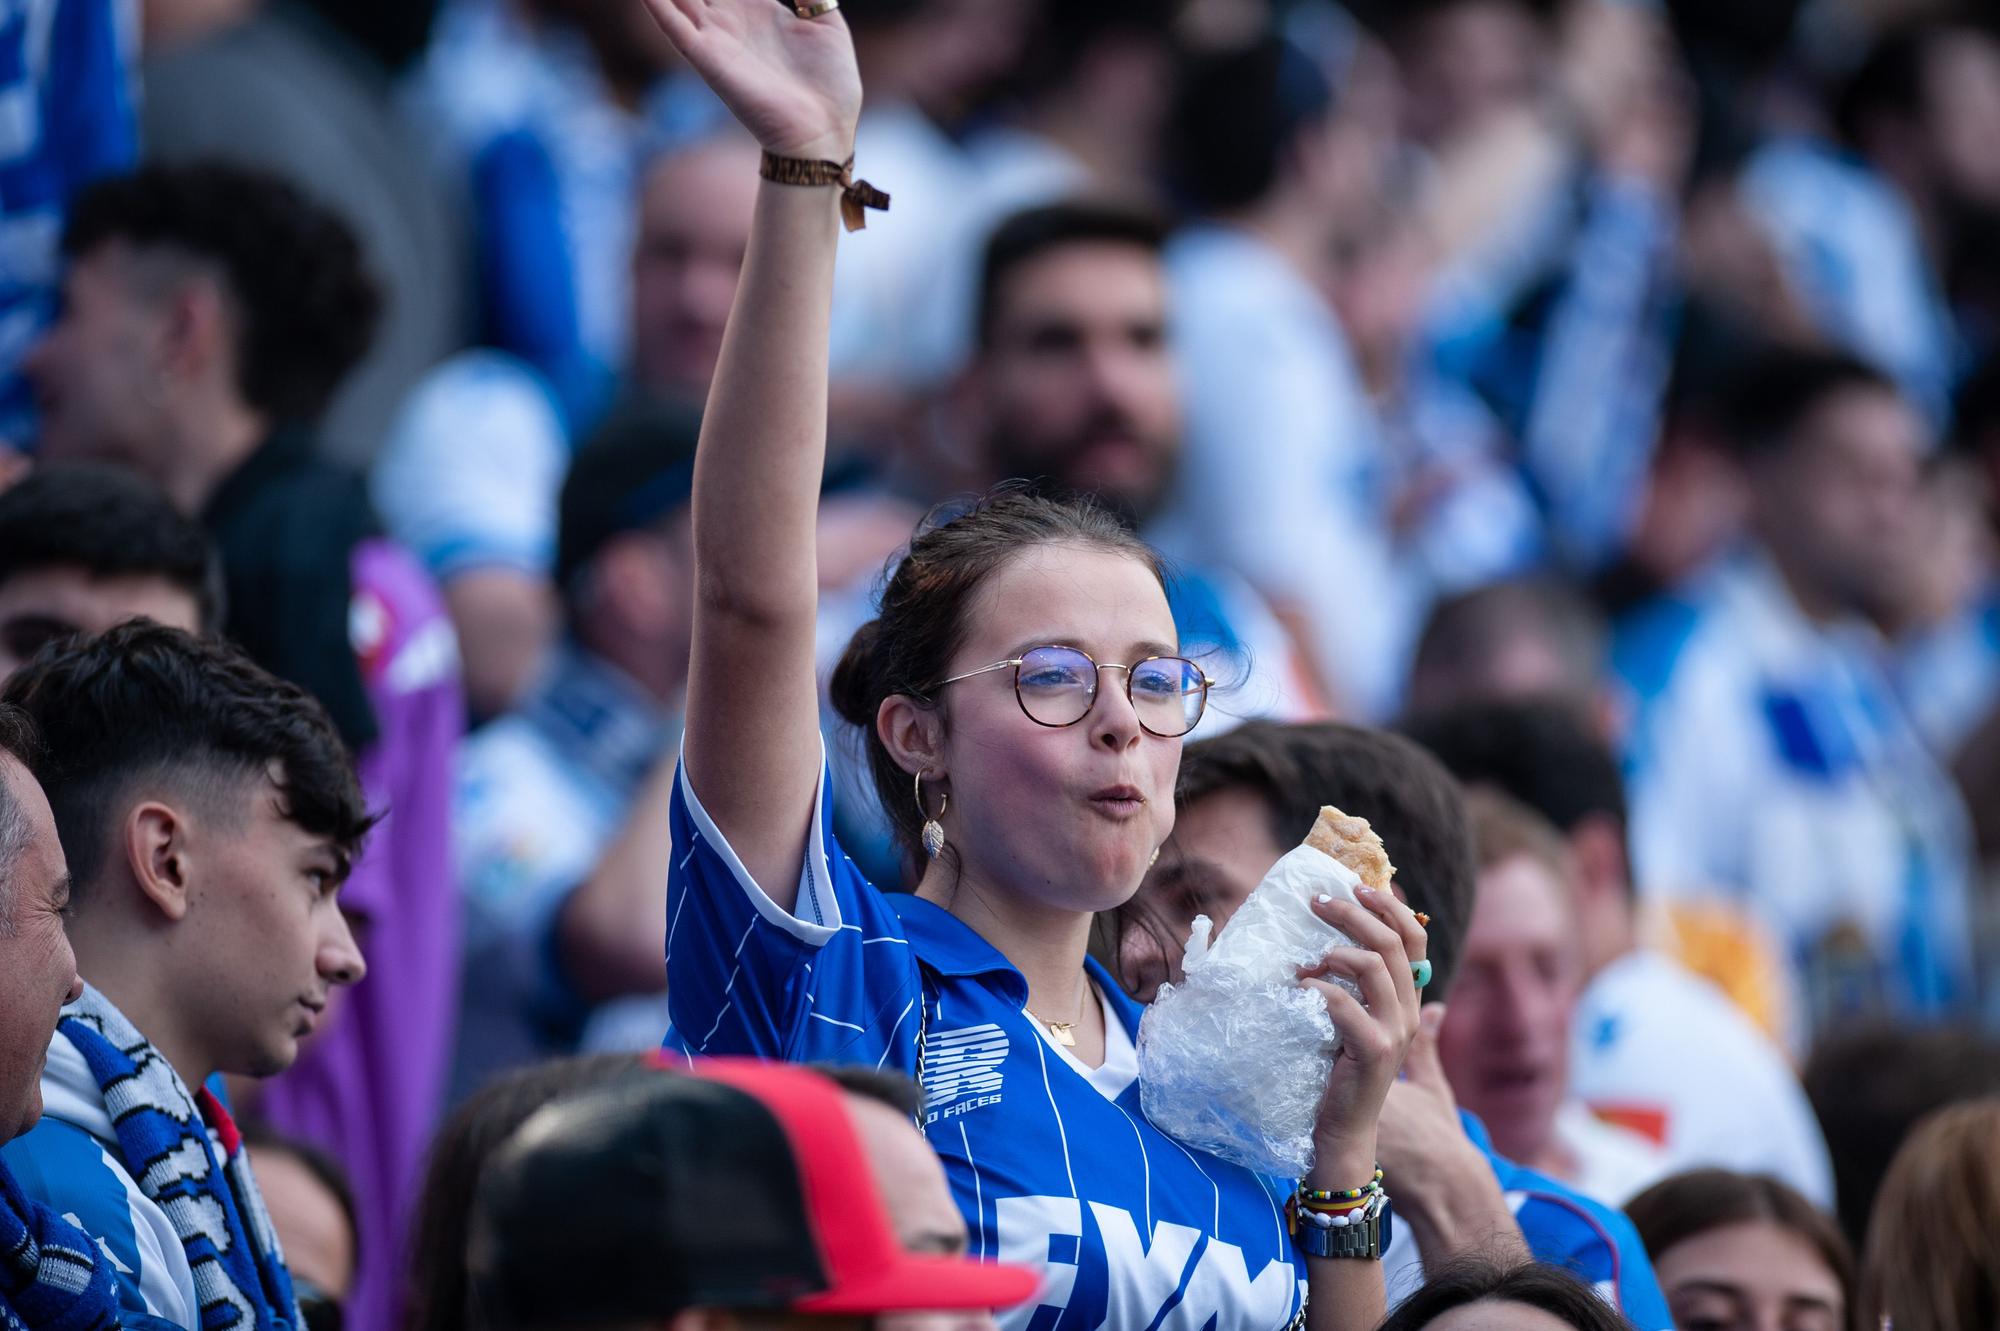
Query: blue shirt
[[66, 118], [1053, 1164], [1587, 1238]]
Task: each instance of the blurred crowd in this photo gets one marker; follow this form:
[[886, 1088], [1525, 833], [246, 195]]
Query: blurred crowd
[[1604, 394]]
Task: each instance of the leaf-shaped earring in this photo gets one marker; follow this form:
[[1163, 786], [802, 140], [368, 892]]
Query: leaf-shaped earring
[[933, 829]]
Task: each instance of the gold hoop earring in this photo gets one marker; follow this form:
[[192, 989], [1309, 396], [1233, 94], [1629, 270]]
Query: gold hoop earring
[[933, 829], [1155, 858]]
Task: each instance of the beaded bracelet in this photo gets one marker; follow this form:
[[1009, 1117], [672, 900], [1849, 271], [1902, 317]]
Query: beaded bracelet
[[1323, 1196]]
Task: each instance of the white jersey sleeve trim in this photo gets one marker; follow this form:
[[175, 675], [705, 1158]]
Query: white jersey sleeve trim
[[816, 894]]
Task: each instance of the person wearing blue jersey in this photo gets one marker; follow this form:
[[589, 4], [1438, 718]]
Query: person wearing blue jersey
[[1024, 677], [1243, 796], [51, 1278]]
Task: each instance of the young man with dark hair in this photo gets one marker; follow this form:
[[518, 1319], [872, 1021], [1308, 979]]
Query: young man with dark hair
[[210, 311], [83, 547], [209, 814], [1248, 796], [1773, 765], [1073, 384]]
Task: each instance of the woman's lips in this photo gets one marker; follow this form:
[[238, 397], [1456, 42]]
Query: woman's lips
[[1118, 801]]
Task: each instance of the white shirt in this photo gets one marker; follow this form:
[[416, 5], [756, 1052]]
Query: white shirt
[[1612, 1165], [1665, 1053], [1773, 765], [1281, 478]]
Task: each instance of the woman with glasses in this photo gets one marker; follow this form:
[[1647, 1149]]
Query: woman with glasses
[[1023, 699]]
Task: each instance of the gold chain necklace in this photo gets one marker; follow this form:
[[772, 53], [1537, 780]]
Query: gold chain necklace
[[1062, 1032]]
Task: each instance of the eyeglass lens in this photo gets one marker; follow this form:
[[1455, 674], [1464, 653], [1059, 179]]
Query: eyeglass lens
[[1058, 686]]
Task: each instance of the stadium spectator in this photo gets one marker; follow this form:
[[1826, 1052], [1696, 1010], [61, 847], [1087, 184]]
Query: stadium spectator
[[52, 1276], [763, 1199], [209, 815], [1479, 1293], [84, 547], [469, 477], [1245, 798], [1505, 1044], [1871, 1086], [1745, 1250], [1933, 1254], [209, 313], [1653, 1047], [275, 87], [544, 791], [1281, 479], [1772, 763], [1525, 638]]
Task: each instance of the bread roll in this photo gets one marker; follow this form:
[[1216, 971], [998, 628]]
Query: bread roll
[[1354, 843]]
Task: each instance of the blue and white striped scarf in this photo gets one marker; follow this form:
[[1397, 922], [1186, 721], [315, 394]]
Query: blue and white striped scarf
[[51, 1278], [209, 1196]]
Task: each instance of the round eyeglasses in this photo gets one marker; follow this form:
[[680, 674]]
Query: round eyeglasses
[[1057, 686]]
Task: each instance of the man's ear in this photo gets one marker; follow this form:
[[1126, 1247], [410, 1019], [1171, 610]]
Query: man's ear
[[913, 734], [156, 854], [1597, 844], [198, 332]]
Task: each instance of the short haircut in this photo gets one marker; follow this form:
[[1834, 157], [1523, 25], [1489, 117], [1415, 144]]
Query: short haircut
[[17, 741], [1464, 631], [142, 702], [1540, 752], [1691, 1204], [1405, 794], [1479, 1278], [1504, 830], [1870, 1086], [108, 522], [1769, 398], [307, 308], [1235, 114], [1030, 234]]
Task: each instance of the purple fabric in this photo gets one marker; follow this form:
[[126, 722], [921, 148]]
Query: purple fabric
[[370, 1086]]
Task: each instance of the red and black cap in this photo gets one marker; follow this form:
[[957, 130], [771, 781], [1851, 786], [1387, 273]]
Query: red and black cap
[[739, 1184]]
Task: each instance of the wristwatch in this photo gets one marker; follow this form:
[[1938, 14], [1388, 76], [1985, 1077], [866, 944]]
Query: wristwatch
[[1365, 1234]]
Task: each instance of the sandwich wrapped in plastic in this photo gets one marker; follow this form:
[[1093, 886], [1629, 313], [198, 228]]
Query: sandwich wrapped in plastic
[[1235, 1059]]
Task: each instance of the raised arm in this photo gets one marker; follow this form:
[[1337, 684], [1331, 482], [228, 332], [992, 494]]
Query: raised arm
[[752, 748]]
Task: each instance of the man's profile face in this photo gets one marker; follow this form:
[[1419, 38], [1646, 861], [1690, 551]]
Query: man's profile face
[[98, 372], [1221, 849], [41, 605], [919, 1202], [264, 908], [1076, 381], [37, 968], [1505, 1039]]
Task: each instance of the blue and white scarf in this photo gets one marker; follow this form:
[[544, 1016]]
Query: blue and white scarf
[[50, 1275], [240, 1280]]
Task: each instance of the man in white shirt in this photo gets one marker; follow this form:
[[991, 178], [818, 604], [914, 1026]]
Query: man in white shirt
[[1653, 1047], [1772, 763], [1282, 478]]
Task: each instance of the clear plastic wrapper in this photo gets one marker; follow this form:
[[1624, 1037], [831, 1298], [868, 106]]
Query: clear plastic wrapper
[[1235, 1059]]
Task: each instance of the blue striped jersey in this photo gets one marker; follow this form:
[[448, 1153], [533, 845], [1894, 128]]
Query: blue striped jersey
[[1053, 1164]]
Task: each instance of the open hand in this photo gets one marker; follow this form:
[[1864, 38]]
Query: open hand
[[1375, 1029], [793, 82]]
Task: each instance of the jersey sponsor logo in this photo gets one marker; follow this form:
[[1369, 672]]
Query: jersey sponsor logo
[[961, 1070], [1179, 1279]]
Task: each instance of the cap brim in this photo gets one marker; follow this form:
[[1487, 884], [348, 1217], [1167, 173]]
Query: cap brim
[[929, 1284]]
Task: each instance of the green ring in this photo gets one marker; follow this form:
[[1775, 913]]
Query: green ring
[[1420, 971]]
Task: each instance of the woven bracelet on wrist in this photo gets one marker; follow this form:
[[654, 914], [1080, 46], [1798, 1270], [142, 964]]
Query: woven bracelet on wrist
[[855, 195]]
